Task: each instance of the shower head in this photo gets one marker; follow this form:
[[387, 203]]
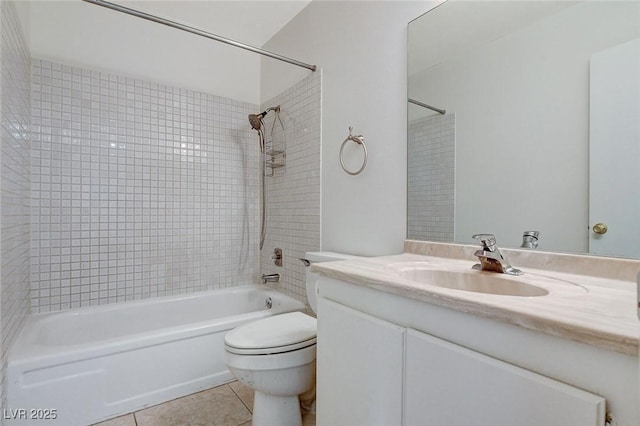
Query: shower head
[[256, 119]]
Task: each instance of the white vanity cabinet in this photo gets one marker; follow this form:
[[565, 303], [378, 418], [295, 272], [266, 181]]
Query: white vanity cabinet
[[384, 359], [447, 384], [360, 358]]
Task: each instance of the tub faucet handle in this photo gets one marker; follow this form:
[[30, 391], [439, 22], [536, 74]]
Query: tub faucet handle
[[277, 256]]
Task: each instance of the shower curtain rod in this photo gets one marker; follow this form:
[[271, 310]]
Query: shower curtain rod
[[413, 101], [196, 31]]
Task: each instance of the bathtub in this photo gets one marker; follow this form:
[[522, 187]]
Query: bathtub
[[82, 366]]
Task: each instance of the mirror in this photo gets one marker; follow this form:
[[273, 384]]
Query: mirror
[[534, 96]]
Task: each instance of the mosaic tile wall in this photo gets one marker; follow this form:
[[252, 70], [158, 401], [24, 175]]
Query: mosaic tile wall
[[431, 178], [15, 182], [293, 192], [139, 189]]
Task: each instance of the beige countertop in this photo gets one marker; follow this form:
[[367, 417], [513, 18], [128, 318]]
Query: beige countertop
[[596, 310]]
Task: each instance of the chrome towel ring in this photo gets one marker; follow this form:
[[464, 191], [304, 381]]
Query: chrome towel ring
[[360, 141]]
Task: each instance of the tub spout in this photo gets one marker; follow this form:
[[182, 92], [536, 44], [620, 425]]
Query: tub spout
[[270, 278]]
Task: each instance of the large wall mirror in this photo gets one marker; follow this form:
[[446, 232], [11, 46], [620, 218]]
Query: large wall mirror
[[525, 116]]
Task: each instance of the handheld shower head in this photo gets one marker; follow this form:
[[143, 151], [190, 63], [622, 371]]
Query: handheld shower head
[[256, 120]]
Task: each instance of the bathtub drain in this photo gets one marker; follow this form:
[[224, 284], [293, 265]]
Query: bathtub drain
[[268, 303]]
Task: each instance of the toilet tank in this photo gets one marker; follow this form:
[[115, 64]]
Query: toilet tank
[[312, 277]]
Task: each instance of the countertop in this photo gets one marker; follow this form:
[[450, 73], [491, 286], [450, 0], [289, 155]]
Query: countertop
[[596, 310]]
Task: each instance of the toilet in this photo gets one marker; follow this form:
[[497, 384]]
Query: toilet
[[276, 356]]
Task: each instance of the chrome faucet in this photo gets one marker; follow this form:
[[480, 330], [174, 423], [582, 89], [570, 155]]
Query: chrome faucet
[[270, 278], [490, 257], [530, 239]]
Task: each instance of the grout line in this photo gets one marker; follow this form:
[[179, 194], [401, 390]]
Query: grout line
[[236, 394]]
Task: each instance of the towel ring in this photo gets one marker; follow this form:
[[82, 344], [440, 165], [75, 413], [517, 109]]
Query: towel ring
[[360, 141]]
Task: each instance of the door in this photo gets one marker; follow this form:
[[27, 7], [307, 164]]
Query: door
[[614, 154]]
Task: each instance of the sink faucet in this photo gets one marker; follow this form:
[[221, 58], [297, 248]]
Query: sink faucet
[[490, 257], [530, 239]]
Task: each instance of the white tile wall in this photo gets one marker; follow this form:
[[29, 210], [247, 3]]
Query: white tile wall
[[139, 189], [431, 178], [293, 203], [15, 182]]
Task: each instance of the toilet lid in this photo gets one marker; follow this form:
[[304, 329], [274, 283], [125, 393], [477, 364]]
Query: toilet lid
[[276, 334]]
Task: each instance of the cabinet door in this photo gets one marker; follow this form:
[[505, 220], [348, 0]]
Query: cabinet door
[[360, 360], [447, 384]]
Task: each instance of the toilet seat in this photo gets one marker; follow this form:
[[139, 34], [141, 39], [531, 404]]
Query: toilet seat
[[273, 335]]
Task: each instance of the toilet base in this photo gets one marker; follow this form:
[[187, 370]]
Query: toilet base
[[270, 410]]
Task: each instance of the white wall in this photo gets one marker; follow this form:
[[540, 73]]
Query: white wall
[[522, 128], [361, 47], [89, 36]]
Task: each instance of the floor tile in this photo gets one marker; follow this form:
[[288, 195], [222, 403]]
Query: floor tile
[[127, 420], [214, 407], [244, 392]]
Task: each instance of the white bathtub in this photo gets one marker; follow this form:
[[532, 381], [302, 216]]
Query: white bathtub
[[81, 366]]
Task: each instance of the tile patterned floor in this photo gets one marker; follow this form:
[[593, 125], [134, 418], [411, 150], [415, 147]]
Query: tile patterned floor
[[226, 405]]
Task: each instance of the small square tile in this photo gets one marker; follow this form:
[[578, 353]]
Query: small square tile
[[169, 179]]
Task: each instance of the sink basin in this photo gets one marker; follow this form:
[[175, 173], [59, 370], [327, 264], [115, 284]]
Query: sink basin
[[471, 280]]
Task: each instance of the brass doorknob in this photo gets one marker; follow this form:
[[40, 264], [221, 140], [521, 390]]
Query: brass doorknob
[[600, 228]]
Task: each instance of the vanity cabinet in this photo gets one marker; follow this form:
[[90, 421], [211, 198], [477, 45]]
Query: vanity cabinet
[[388, 360], [360, 358], [447, 384]]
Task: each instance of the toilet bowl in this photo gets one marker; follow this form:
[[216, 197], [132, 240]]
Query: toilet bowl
[[276, 356]]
